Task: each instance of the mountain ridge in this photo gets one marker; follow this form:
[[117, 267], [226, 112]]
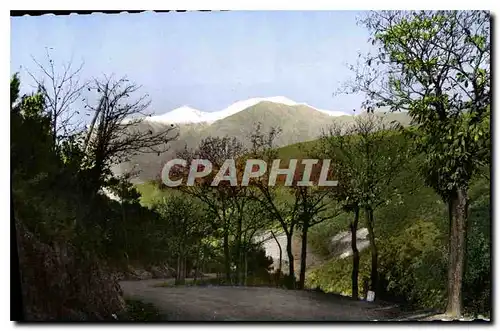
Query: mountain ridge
[[298, 122], [187, 114]]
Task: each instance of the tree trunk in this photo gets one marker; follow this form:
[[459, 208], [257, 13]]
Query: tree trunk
[[239, 262], [303, 254], [92, 124], [124, 227], [246, 268], [54, 126], [178, 275], [458, 205], [243, 270], [184, 267], [181, 268], [227, 257], [202, 264], [196, 265], [291, 270], [355, 254], [178, 268], [373, 246], [281, 258]]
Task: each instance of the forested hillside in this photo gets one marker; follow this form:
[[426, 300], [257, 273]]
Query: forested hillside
[[411, 232]]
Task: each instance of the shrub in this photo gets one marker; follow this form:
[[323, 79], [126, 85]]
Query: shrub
[[335, 275], [414, 267]]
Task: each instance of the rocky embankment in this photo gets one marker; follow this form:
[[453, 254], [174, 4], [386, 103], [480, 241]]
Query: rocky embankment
[[60, 283]]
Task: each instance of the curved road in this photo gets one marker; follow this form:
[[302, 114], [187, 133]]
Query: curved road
[[225, 303]]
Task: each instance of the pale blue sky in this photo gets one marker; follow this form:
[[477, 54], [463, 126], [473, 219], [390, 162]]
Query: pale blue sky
[[206, 60]]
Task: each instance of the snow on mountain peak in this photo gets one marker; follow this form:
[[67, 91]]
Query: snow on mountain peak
[[186, 114], [244, 104], [241, 105], [281, 99]]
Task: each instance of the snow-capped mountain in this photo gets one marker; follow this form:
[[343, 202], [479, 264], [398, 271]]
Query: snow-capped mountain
[[298, 123], [244, 104], [186, 114], [329, 112]]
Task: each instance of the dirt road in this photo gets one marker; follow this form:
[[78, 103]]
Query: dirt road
[[224, 303]]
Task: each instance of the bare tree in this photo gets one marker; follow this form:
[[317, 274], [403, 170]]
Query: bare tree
[[60, 89], [116, 131]]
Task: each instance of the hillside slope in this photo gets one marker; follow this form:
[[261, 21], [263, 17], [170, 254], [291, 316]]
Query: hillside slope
[[299, 123]]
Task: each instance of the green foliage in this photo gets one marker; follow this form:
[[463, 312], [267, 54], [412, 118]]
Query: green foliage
[[477, 280], [182, 222], [438, 68], [413, 265], [257, 263], [367, 158], [335, 275], [418, 203], [124, 190], [50, 186], [36, 168], [31, 153], [436, 65], [151, 193], [411, 233], [413, 252]]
